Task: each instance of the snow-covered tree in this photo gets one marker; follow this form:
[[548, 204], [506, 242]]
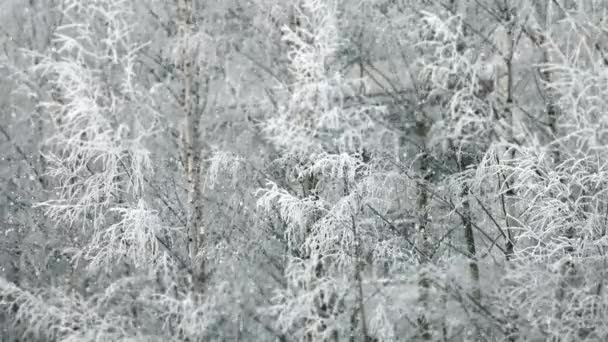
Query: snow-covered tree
[[302, 170]]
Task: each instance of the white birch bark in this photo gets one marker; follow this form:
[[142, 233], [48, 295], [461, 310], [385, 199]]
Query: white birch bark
[[191, 143]]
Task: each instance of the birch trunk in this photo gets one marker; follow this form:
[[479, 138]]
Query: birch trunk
[[552, 109], [192, 144], [422, 232], [505, 42]]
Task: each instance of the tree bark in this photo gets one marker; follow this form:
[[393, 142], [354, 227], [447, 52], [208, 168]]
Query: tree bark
[[551, 107], [359, 280], [422, 232], [505, 43], [470, 243], [192, 144]]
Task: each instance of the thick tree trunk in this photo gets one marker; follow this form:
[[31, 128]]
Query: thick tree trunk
[[192, 143]]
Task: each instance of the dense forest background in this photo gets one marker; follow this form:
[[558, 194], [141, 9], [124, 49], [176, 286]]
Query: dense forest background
[[303, 170]]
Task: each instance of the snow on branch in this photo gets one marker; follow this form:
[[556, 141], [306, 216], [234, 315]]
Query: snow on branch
[[134, 238], [98, 154]]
